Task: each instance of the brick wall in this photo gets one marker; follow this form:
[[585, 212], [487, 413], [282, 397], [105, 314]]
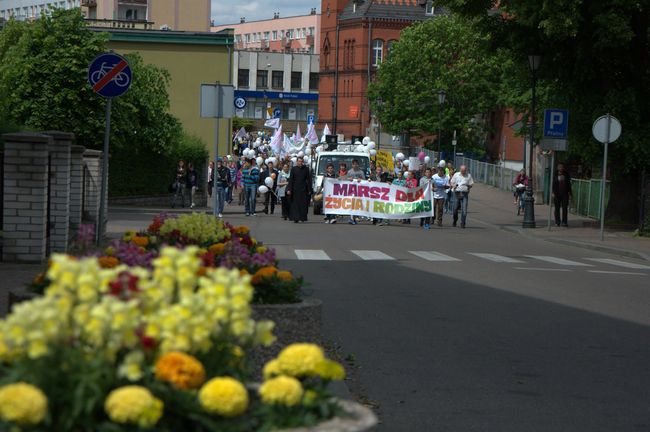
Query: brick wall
[[59, 155], [76, 186]]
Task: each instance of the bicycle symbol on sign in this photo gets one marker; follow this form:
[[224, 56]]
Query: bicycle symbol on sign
[[121, 79]]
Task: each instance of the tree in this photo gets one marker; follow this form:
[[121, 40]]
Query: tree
[[596, 59], [446, 53], [44, 85]]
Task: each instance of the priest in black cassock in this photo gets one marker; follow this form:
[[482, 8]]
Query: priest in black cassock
[[299, 191]]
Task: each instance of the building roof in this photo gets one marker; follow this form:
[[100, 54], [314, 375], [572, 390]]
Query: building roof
[[401, 10], [232, 25], [224, 37]]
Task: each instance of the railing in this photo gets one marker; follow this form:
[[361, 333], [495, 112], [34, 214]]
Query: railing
[[586, 193]]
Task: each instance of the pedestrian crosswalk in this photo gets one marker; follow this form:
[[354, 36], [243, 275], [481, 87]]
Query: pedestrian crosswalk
[[524, 262]]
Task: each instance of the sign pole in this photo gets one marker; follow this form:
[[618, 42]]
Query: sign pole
[[104, 190], [550, 190], [216, 149], [604, 180]]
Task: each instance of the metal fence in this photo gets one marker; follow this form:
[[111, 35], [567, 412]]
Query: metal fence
[[586, 193]]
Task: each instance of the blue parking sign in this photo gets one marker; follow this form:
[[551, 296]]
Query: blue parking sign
[[556, 123]]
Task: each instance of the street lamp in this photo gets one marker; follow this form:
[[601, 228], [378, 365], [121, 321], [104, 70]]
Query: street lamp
[[441, 101], [379, 102], [333, 115], [529, 199]]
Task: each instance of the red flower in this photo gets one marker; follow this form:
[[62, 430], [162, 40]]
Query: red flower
[[124, 285]]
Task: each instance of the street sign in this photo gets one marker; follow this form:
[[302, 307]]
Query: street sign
[[556, 123], [277, 113], [311, 119], [599, 129], [109, 75], [240, 103], [553, 144], [217, 101]]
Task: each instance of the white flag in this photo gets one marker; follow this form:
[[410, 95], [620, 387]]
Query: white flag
[[241, 134], [276, 141], [286, 145], [298, 134], [326, 131], [272, 123], [312, 136]]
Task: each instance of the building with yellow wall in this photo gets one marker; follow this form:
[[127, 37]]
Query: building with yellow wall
[[192, 59], [185, 15]]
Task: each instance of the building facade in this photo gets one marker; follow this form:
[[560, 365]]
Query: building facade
[[287, 83], [32, 9], [291, 34], [207, 55], [356, 36], [185, 15]]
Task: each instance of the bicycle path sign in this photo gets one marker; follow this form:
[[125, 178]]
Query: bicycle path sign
[[109, 75]]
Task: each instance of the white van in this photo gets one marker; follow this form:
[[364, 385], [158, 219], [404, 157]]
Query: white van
[[335, 158]]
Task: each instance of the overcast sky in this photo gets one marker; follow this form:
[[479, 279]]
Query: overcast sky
[[229, 11]]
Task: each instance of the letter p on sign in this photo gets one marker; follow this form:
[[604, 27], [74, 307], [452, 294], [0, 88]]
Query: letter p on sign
[[556, 123]]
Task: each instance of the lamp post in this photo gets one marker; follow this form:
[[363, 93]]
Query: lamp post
[[333, 115], [529, 199], [380, 103], [441, 101]]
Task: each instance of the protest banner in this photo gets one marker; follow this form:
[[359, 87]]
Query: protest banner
[[376, 200], [385, 160]]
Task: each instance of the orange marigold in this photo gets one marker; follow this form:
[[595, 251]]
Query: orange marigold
[[242, 230], [244, 272], [180, 370], [141, 241], [108, 262], [217, 248], [285, 275], [264, 272], [201, 271]]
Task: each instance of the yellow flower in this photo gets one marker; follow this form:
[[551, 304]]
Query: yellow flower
[[131, 368], [181, 370], [263, 273], [242, 230], [261, 249], [217, 248], [282, 390], [301, 359], [22, 404], [128, 235], [108, 262], [271, 369], [285, 276], [310, 397], [224, 396], [330, 370], [133, 405], [141, 241]]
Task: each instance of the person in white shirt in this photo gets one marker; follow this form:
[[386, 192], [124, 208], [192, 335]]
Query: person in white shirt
[[461, 184], [425, 180], [440, 182]]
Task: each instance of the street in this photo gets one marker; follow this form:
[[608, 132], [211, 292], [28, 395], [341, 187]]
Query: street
[[472, 330]]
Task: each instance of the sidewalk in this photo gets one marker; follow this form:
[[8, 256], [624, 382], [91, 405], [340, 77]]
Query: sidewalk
[[495, 207]]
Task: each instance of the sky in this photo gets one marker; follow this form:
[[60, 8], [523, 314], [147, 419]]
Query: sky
[[229, 11]]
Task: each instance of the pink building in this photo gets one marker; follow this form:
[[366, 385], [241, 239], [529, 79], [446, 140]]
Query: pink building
[[294, 34]]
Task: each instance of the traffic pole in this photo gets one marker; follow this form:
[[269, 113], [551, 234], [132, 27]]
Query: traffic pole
[[104, 190], [550, 190], [603, 181]]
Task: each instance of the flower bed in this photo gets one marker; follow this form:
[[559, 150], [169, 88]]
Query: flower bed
[[126, 348]]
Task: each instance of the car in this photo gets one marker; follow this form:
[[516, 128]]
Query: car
[[324, 158]]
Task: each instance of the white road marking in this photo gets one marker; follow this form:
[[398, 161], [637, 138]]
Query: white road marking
[[433, 256], [542, 269], [620, 263], [372, 255], [559, 261], [312, 255], [496, 258], [616, 272]]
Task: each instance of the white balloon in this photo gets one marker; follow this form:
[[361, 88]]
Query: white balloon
[[307, 160], [294, 160], [301, 154], [266, 161], [263, 189], [357, 143], [229, 157], [372, 145], [269, 182], [405, 163], [256, 144], [360, 148], [366, 140], [399, 156], [373, 152], [273, 160], [319, 149], [308, 151], [259, 161], [427, 159]]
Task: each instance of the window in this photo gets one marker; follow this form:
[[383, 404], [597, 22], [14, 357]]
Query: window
[[313, 81], [311, 31], [277, 79], [429, 8], [296, 80], [266, 36], [247, 37], [290, 34], [275, 35], [377, 52], [262, 79], [389, 47], [242, 78]]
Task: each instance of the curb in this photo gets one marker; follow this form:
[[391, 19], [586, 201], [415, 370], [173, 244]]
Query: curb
[[584, 245]]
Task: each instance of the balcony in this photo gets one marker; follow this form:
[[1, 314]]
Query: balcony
[[89, 3], [121, 24]]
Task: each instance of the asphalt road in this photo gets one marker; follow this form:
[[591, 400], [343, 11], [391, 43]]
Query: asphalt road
[[477, 329]]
